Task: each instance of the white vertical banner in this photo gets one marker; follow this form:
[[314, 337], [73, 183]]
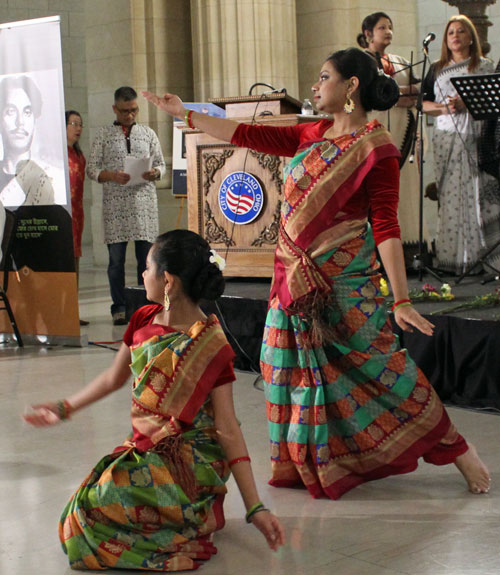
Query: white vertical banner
[[34, 179]]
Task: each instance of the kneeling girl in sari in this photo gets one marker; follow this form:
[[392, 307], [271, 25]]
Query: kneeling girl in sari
[[156, 501]]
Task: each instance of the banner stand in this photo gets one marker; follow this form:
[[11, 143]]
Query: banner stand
[[34, 183]]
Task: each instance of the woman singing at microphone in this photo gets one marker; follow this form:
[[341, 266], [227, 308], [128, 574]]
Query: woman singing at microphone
[[469, 199]]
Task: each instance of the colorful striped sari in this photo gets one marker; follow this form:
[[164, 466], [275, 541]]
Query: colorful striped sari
[[155, 502], [345, 403]]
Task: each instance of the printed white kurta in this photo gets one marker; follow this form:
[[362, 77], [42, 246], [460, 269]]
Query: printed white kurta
[[129, 212]]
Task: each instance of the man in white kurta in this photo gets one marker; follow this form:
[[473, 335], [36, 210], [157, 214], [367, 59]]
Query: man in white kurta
[[130, 213]]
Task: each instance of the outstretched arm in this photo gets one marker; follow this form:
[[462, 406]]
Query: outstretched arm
[[391, 253], [219, 128], [108, 381], [231, 439]]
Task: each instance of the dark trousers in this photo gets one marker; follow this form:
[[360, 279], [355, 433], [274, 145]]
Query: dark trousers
[[116, 270]]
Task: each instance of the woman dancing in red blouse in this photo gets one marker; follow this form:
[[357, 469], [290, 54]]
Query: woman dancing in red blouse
[[345, 403]]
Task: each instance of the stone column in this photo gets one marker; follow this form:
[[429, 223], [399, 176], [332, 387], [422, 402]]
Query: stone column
[[475, 10], [146, 45], [239, 42]]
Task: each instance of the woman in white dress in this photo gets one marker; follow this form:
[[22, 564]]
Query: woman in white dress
[[469, 199]]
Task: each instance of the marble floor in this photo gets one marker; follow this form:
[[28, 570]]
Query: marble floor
[[425, 523]]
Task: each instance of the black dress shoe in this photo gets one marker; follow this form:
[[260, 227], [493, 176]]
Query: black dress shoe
[[84, 322], [119, 318]]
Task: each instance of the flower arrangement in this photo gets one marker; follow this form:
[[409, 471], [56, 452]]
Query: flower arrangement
[[430, 293], [488, 300]]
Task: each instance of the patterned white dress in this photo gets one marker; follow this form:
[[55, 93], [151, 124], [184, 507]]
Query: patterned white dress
[[129, 212], [469, 199]]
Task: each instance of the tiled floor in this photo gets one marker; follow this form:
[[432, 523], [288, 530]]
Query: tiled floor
[[425, 523]]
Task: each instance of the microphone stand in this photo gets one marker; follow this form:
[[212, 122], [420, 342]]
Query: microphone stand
[[418, 259]]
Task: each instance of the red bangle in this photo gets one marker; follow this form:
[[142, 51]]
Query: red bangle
[[400, 302], [239, 460], [189, 122]]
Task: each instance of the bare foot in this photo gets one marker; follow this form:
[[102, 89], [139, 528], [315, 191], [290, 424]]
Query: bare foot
[[474, 470]]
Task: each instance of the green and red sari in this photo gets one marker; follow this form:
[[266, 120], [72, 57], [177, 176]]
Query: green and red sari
[[345, 403], [155, 502]]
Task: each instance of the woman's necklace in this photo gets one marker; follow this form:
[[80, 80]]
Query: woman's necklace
[[344, 139], [356, 132], [348, 134], [460, 60]]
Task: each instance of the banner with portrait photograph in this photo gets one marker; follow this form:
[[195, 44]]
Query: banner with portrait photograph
[[34, 180]]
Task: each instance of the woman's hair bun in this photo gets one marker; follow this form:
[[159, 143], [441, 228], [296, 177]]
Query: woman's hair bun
[[382, 93], [361, 40], [187, 255], [208, 284], [377, 91]]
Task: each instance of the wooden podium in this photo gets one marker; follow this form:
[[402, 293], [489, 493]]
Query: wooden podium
[[234, 194]]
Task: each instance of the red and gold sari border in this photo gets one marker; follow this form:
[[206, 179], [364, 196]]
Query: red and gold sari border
[[176, 384], [333, 189], [399, 455], [319, 199], [327, 215]]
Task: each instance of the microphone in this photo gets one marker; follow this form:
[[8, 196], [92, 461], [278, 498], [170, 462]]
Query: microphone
[[428, 39], [272, 88]]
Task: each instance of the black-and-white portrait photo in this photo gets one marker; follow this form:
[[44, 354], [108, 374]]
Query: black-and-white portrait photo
[[29, 171]]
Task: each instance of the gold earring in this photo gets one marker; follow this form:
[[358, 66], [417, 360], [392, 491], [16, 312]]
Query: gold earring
[[349, 105], [166, 300]]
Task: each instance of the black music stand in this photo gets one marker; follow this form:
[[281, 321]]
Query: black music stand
[[481, 96]]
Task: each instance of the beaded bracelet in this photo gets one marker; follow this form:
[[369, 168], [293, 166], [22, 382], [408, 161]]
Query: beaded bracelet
[[256, 508], [64, 409], [255, 513], [187, 119], [238, 460], [401, 303]]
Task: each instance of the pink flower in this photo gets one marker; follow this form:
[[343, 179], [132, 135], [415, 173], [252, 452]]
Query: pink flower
[[428, 288]]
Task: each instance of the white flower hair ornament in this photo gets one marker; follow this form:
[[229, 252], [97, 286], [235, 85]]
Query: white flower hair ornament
[[218, 260]]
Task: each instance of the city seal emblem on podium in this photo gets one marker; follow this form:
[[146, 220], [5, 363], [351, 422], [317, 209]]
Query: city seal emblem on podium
[[241, 197]]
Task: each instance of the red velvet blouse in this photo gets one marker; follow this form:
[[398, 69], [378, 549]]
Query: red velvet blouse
[[377, 196]]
